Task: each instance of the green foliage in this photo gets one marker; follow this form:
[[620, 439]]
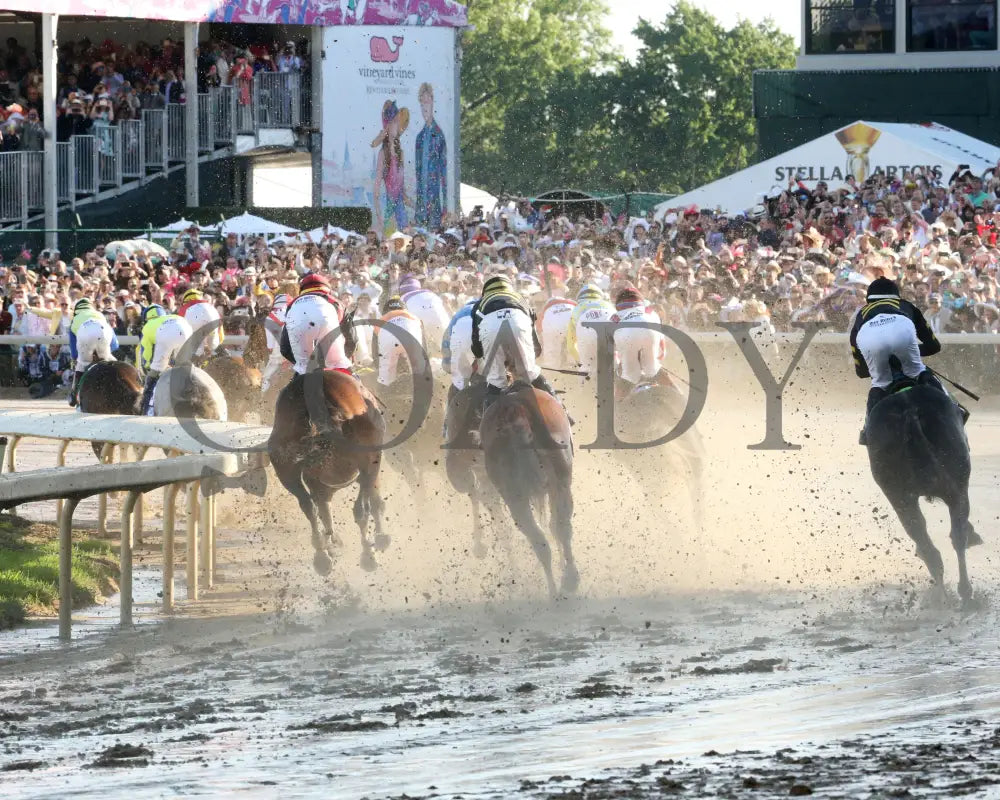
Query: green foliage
[[29, 571], [547, 104]]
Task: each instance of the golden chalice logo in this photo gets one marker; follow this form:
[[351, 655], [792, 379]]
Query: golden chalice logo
[[857, 140]]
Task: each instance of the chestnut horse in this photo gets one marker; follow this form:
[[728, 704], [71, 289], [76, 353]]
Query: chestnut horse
[[313, 456], [239, 377], [528, 450]]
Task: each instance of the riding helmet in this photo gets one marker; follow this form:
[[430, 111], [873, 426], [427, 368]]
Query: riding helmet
[[82, 304], [498, 283], [590, 292], [628, 294], [394, 304], [191, 294], [153, 312], [314, 281], [881, 288], [409, 284], [280, 301]]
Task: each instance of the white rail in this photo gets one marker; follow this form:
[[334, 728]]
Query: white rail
[[69, 486]]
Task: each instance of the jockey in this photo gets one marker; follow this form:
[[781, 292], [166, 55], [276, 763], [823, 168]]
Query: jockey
[[312, 316], [91, 339], [456, 349], [426, 306], [163, 335], [388, 348], [639, 351], [889, 326], [500, 305], [553, 327], [581, 343], [272, 330], [200, 312]]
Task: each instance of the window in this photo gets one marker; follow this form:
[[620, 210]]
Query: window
[[941, 25], [850, 26]]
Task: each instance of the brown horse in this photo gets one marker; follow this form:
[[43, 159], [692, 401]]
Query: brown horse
[[110, 387], [239, 377], [528, 450], [314, 457]]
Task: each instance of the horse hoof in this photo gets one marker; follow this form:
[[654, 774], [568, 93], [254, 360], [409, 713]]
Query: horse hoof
[[322, 563], [570, 582], [368, 562], [382, 542], [972, 539]]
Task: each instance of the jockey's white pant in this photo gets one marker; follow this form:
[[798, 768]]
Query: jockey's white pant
[[274, 362], [490, 328], [639, 350], [390, 349], [434, 317], [363, 352], [170, 338], [587, 341], [198, 315], [308, 321], [555, 326], [463, 363], [93, 343], [886, 335]]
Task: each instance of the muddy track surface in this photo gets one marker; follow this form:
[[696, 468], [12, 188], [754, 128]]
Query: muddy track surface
[[722, 695]]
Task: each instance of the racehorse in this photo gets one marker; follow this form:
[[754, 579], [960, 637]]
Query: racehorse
[[187, 391], [238, 381], [314, 457], [645, 413], [110, 387], [463, 459], [528, 451], [917, 446]]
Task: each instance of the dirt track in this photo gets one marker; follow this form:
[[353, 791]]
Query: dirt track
[[798, 618]]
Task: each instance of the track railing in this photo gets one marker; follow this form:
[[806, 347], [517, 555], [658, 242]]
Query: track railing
[[196, 462]]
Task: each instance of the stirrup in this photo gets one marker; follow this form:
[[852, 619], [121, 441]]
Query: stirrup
[[964, 412]]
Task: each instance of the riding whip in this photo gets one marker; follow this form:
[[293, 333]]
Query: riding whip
[[956, 385]]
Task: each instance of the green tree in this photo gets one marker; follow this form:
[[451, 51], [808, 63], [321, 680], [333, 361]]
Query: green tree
[[519, 55], [686, 105]]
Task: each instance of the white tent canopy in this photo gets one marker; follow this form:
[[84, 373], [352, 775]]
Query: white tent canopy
[[470, 197], [247, 224], [179, 227], [861, 149]]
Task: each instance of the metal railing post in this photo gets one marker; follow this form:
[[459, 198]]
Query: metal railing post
[[66, 568], [125, 556], [61, 462], [206, 544], [107, 457], [23, 158], [137, 518], [192, 540], [169, 519]]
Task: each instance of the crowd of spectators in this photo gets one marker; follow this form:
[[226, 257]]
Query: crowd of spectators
[[801, 255], [100, 85]]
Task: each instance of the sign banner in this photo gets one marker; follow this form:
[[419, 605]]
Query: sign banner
[[390, 136], [445, 13]]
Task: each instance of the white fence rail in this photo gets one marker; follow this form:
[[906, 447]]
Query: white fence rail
[[70, 485]]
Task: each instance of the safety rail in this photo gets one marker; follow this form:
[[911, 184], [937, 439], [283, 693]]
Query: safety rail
[[85, 159], [110, 158], [133, 144], [193, 463], [277, 99], [175, 132]]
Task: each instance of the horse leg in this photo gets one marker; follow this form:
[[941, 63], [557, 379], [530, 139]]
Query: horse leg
[[478, 547], [908, 511], [520, 510], [322, 495], [290, 476], [561, 507], [362, 510], [959, 511]]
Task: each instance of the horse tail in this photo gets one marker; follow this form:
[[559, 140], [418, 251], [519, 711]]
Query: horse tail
[[918, 445], [516, 448]]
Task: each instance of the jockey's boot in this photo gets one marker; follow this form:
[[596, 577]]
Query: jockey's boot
[[492, 393], [147, 392], [73, 398], [541, 383], [963, 411]]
